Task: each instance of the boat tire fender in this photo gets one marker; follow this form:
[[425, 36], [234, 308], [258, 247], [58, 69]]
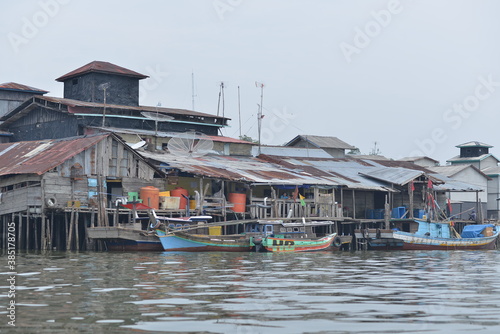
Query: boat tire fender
[[51, 202], [337, 242], [154, 226]]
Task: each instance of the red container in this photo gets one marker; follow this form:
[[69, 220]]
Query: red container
[[178, 192], [239, 201], [150, 196]]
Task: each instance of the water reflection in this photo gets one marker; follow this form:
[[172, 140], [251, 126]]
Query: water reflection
[[362, 292]]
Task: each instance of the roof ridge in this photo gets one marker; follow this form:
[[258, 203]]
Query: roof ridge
[[101, 67]]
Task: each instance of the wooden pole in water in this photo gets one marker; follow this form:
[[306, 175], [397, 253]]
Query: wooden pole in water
[[410, 194], [27, 229], [92, 242], [70, 234], [116, 215], [386, 213], [52, 231], [60, 232], [342, 201], [85, 232], [43, 240], [19, 232], [3, 233], [353, 205], [35, 227], [49, 234], [77, 214], [274, 207], [66, 226]]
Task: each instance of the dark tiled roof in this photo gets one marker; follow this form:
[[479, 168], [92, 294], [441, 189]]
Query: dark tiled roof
[[21, 88], [474, 144], [101, 67]]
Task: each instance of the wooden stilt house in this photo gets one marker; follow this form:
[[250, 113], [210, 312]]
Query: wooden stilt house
[[54, 189]]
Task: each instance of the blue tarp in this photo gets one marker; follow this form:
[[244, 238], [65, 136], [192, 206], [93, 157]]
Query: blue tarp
[[474, 231]]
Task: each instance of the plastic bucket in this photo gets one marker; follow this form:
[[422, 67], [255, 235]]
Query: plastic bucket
[[239, 201], [178, 192], [150, 196]]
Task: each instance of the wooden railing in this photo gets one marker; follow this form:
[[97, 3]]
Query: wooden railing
[[260, 208]]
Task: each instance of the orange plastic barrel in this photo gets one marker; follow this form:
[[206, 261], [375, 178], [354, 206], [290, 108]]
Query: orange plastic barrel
[[150, 196], [239, 201], [178, 192]]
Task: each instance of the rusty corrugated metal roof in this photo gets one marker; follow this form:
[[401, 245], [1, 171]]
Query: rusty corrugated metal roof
[[279, 171], [37, 157], [101, 67], [161, 110], [321, 142], [82, 107], [162, 134], [22, 88]]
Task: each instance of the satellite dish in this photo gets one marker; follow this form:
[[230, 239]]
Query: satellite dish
[[190, 144], [156, 116], [137, 145]]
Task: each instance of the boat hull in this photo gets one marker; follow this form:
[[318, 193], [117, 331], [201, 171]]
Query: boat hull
[[125, 239], [378, 239], [412, 242], [184, 242], [276, 244], [133, 245]]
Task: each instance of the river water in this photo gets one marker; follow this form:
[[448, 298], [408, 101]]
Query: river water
[[324, 292]]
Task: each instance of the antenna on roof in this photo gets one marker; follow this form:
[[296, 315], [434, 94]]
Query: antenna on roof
[[192, 88], [103, 87], [259, 114], [221, 95], [239, 109]]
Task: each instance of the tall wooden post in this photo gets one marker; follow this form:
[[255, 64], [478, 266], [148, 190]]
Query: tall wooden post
[[77, 230], [387, 210], [342, 201], [35, 223], [19, 231], [410, 194], [4, 233], [70, 233], [353, 205], [43, 236], [274, 207], [28, 229]]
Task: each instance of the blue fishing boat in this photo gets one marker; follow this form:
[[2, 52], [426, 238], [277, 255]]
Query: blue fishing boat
[[443, 236], [186, 242]]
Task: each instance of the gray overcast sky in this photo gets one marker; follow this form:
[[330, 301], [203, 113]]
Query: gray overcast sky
[[417, 77]]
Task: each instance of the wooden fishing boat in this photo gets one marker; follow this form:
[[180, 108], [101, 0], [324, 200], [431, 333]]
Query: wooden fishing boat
[[186, 242], [280, 243], [301, 236], [125, 239], [189, 234], [442, 236], [377, 239]]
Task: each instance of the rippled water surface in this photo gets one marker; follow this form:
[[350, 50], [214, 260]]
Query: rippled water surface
[[341, 292]]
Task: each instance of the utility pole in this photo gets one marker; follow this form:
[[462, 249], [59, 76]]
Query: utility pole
[[156, 125], [104, 86]]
